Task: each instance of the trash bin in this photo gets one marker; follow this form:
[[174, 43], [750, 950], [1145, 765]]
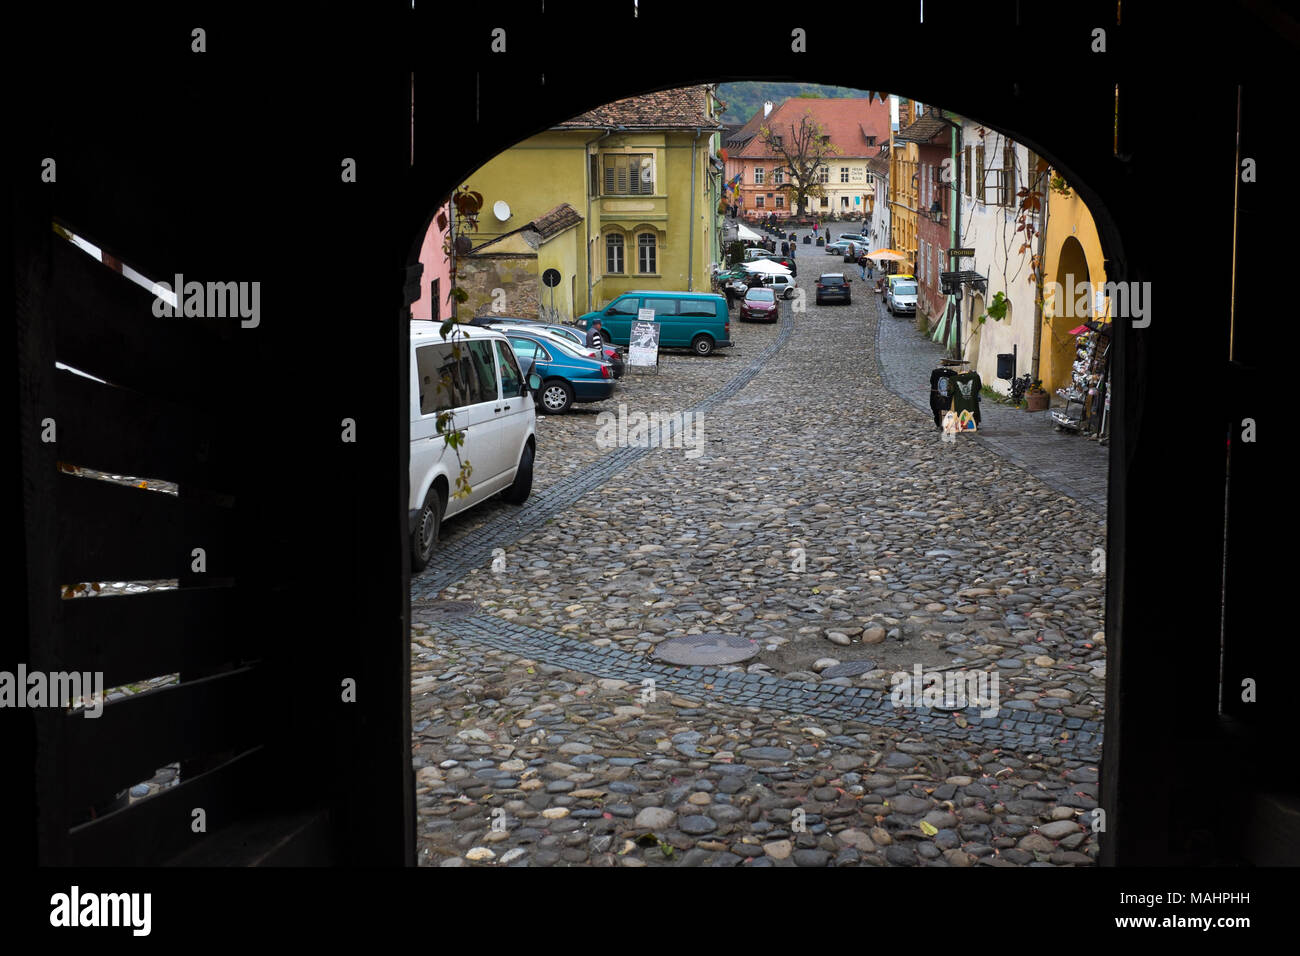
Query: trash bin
[[821, 241], [807, 240]]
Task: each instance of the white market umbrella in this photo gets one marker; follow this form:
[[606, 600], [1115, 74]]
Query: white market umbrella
[[745, 233], [767, 267]]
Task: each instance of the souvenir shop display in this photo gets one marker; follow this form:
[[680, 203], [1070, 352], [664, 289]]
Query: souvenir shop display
[[1086, 394]]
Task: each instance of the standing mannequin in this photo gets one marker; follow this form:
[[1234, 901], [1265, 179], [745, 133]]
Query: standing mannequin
[[966, 394], [941, 390]]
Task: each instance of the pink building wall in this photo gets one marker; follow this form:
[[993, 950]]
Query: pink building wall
[[437, 266]]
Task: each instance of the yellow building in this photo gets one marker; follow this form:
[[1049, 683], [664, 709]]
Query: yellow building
[[904, 187], [1072, 257], [635, 178]]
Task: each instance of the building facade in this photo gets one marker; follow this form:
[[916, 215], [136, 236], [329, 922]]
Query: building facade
[[903, 186], [933, 138], [639, 175], [1072, 256], [436, 299], [855, 128], [993, 168]]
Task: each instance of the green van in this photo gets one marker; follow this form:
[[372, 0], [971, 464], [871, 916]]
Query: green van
[[687, 320]]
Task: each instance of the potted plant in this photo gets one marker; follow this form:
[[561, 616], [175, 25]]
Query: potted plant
[[1037, 398]]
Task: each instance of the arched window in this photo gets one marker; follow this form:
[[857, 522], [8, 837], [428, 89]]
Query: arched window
[[614, 253], [647, 257]]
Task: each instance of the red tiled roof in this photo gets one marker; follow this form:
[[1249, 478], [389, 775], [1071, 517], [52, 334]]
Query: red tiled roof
[[683, 108], [848, 122], [555, 221], [748, 131]]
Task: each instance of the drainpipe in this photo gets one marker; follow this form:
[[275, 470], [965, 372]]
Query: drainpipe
[[1038, 298], [956, 227], [690, 253], [586, 160]]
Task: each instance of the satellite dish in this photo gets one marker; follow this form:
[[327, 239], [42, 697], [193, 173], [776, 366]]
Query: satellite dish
[[501, 210]]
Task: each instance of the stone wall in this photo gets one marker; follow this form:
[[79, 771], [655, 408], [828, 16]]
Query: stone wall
[[504, 283]]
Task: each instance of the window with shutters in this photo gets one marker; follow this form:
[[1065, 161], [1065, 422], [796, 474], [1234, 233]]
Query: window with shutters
[[629, 174], [614, 253], [969, 177], [758, 175], [979, 173], [646, 257]]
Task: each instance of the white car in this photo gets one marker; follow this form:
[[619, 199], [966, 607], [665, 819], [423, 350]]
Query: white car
[[491, 403], [900, 295], [783, 286]]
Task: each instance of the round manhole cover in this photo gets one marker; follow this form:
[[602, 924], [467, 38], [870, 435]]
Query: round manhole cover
[[697, 649], [435, 610], [849, 669]]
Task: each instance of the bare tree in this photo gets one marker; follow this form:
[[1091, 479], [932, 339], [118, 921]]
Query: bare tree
[[804, 149]]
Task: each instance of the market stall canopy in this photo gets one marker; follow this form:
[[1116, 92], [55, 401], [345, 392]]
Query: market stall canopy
[[767, 267], [1092, 325], [891, 254], [745, 233]]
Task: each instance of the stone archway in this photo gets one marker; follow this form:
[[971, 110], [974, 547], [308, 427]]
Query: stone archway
[[1071, 272]]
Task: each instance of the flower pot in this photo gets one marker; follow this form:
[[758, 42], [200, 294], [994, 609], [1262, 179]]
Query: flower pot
[[1037, 401]]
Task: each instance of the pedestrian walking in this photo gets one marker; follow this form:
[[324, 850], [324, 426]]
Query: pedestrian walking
[[785, 248], [862, 264], [871, 269]]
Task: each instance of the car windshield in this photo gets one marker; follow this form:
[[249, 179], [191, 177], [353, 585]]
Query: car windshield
[[904, 288], [759, 295]]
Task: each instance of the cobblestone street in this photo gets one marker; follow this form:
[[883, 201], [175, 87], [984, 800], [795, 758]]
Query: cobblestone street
[[821, 517]]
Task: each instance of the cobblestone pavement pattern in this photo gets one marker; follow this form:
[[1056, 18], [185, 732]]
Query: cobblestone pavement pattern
[[826, 521]]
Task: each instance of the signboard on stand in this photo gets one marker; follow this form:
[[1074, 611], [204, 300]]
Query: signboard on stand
[[643, 340]]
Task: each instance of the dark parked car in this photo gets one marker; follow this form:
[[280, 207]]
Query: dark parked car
[[834, 287], [759, 305], [574, 334]]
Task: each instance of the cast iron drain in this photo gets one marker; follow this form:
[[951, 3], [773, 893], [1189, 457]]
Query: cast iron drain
[[849, 669], [703, 649], [434, 610]]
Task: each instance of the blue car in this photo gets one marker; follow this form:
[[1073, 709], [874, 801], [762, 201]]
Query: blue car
[[568, 376]]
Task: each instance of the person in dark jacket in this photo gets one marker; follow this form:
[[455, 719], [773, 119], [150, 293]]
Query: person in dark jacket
[[595, 336]]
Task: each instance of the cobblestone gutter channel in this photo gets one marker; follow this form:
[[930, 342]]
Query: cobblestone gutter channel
[[1027, 730]]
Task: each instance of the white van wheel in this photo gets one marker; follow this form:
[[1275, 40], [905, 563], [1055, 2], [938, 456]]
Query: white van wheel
[[424, 539]]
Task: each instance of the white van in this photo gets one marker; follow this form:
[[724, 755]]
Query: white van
[[490, 401]]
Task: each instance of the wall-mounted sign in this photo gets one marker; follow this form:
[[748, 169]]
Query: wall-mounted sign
[[961, 252]]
